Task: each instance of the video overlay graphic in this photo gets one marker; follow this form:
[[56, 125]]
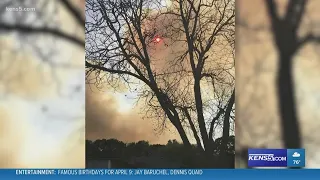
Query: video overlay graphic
[[276, 157]]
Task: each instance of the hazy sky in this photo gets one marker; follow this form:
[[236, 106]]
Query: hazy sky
[[112, 115]]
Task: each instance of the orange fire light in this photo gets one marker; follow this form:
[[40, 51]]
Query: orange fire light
[[158, 39]]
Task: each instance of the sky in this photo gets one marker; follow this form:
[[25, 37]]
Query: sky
[[112, 115]]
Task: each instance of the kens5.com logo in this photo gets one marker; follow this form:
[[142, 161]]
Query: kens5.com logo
[[276, 157]]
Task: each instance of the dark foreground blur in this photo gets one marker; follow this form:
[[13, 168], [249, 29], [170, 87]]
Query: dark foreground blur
[[278, 88], [41, 84]]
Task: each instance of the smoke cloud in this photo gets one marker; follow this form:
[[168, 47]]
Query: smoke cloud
[[105, 120]]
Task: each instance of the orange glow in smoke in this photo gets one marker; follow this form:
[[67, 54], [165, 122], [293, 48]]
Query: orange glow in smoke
[[158, 39]]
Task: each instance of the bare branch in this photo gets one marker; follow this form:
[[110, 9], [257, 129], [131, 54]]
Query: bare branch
[[310, 38], [75, 12], [45, 30], [272, 10]]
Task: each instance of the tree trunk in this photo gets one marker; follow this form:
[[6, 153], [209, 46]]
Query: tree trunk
[[226, 120], [193, 128], [170, 111], [199, 106], [287, 104], [182, 133], [225, 158]]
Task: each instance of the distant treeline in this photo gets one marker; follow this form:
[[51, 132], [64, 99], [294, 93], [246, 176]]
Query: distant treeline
[[173, 151]]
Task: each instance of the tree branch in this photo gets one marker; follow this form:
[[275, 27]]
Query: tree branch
[[114, 71], [220, 112], [309, 38], [272, 11], [74, 12], [45, 30], [194, 131], [294, 13], [226, 121]]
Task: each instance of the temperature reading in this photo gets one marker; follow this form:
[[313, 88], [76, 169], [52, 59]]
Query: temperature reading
[[296, 161]]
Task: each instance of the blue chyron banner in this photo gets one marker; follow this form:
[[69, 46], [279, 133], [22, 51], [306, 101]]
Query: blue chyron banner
[[160, 174], [276, 157]]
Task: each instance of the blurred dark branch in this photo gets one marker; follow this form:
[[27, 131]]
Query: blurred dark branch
[[285, 33], [45, 30], [272, 10], [309, 38], [295, 12], [74, 12]]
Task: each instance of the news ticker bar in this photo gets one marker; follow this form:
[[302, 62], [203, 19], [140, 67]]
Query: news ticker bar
[[138, 174], [276, 157]]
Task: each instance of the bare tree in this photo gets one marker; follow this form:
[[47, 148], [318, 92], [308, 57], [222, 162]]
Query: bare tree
[[122, 38]]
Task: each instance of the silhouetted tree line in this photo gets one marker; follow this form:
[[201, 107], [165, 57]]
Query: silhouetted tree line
[[173, 151]]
